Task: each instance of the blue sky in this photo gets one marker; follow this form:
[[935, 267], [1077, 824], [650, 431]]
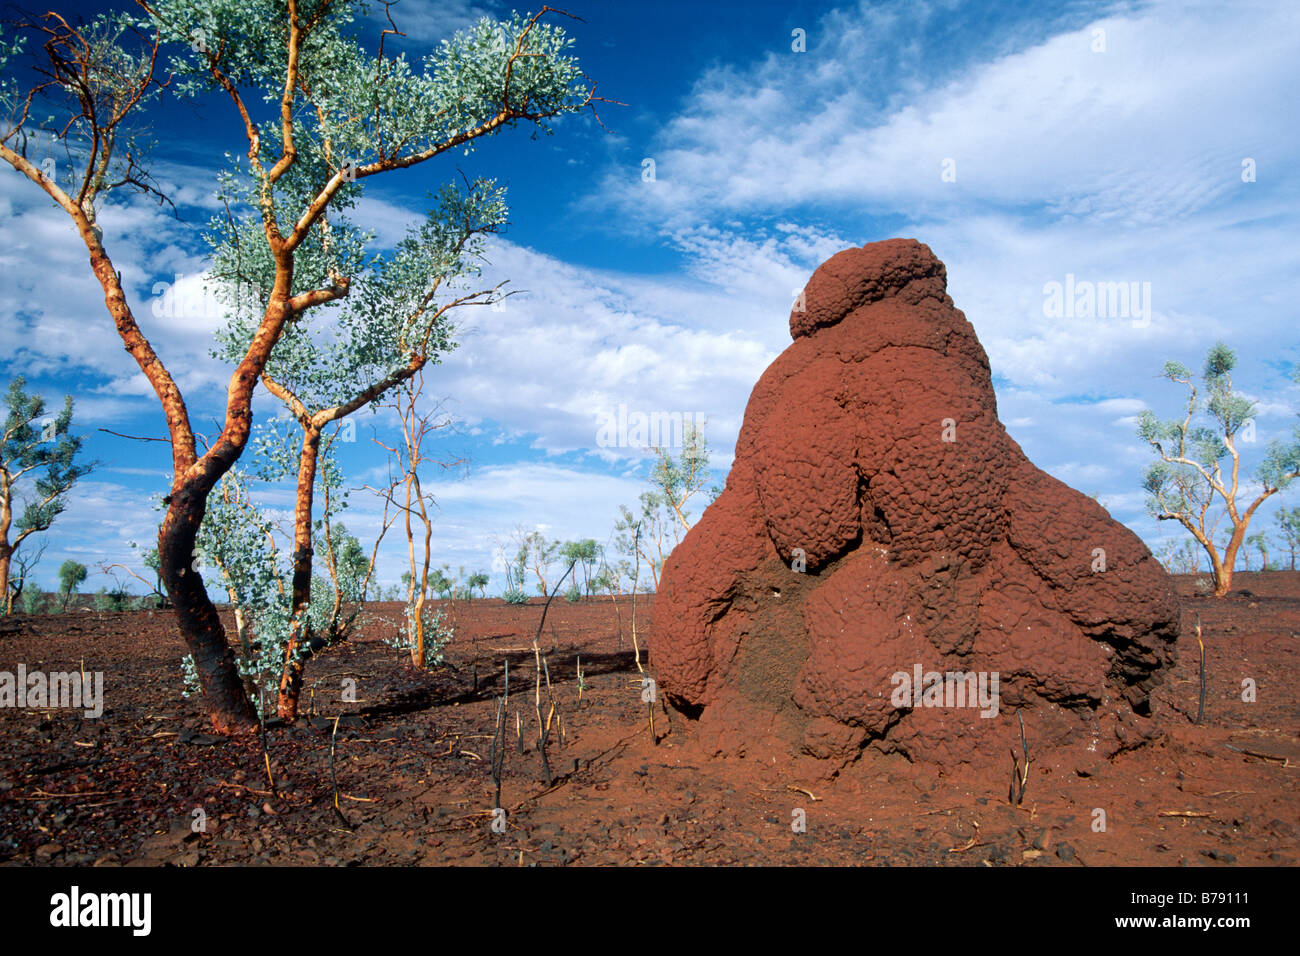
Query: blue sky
[[1103, 141]]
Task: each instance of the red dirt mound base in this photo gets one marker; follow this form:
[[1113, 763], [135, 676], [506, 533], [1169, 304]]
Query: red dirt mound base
[[886, 567]]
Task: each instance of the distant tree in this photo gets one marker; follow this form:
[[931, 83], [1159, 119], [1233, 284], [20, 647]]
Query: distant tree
[[406, 496], [678, 479], [537, 554], [44, 449], [1288, 522], [1198, 479], [650, 536], [440, 584], [71, 576], [480, 580], [1181, 558], [514, 561], [1260, 541], [584, 554]]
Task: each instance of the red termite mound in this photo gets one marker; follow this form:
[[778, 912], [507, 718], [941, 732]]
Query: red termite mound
[[878, 525]]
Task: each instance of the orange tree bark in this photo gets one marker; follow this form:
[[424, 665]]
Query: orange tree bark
[[291, 675]]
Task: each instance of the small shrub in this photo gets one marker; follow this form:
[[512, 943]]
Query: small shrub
[[116, 600], [515, 596], [33, 600], [573, 594], [437, 635]]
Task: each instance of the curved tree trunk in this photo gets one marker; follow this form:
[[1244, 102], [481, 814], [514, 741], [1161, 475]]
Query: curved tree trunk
[[291, 677], [1223, 572], [228, 704]]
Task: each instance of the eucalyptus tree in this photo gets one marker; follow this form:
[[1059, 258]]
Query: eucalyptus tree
[[1198, 479], [678, 479], [407, 459], [40, 451], [72, 574], [395, 321], [316, 115], [1288, 522], [242, 542], [586, 553]]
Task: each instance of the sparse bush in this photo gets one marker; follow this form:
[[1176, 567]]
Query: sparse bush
[[33, 600], [437, 634], [515, 596], [1181, 558], [573, 594], [115, 600]]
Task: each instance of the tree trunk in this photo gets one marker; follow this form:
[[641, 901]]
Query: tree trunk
[[291, 676], [332, 564], [6, 555], [1223, 572], [6, 549], [229, 707], [418, 650]]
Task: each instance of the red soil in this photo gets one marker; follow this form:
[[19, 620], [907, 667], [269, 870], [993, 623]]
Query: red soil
[[412, 762]]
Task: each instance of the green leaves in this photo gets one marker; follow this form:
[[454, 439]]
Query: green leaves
[[71, 576], [1219, 362], [44, 447]]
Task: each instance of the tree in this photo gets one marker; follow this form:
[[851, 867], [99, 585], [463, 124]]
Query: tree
[[480, 580], [537, 554], [243, 544], [388, 329], [409, 456], [1260, 541], [1288, 522], [1181, 558], [651, 536], [49, 450], [665, 518], [1189, 484], [679, 479], [340, 117], [71, 576], [516, 569], [585, 553]]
